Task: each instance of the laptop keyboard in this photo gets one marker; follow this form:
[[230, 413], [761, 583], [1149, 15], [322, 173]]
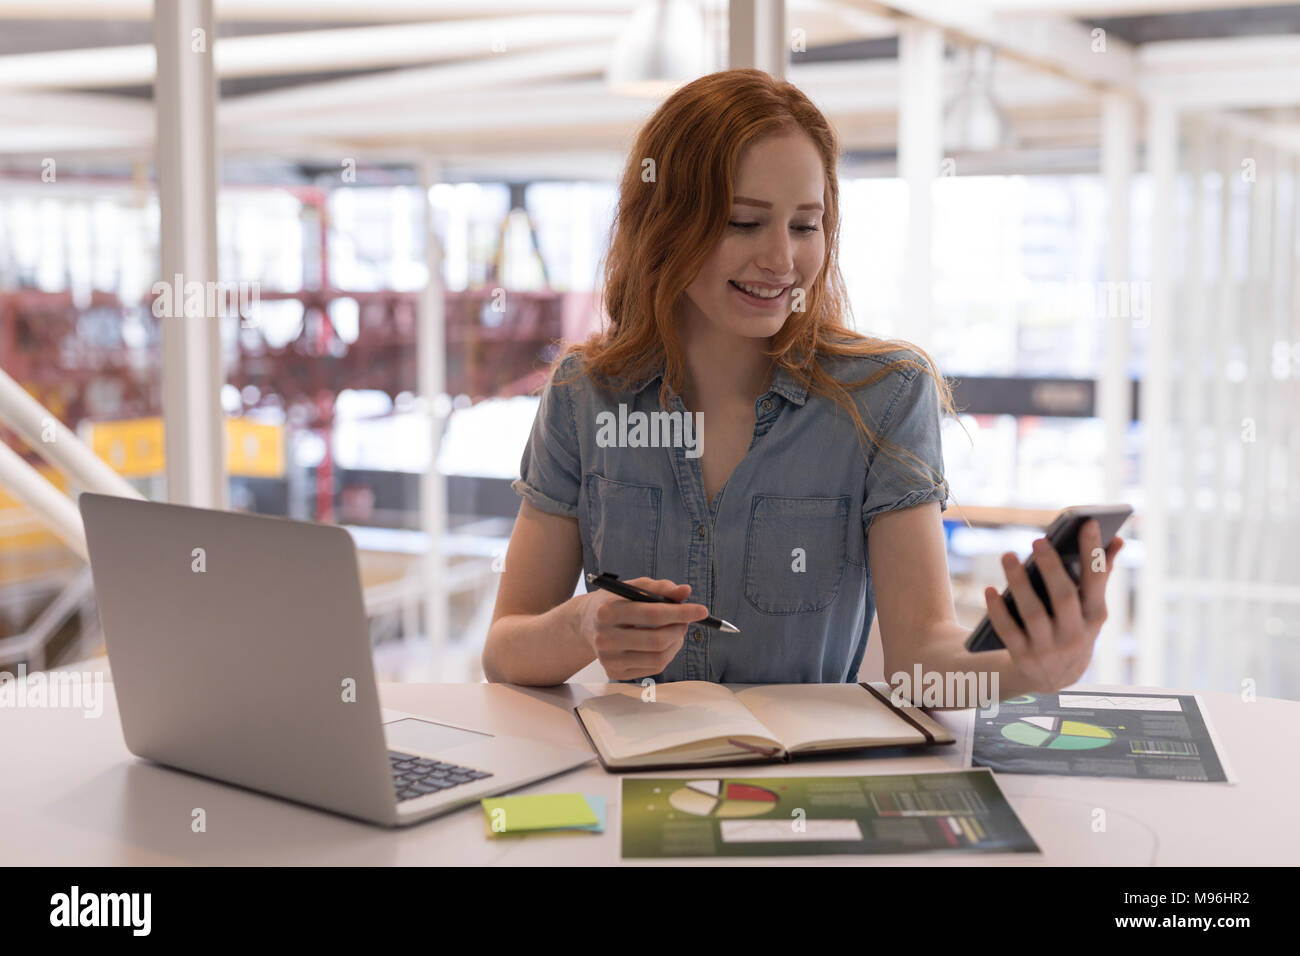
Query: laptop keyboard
[[419, 776]]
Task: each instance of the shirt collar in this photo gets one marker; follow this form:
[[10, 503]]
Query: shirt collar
[[783, 383]]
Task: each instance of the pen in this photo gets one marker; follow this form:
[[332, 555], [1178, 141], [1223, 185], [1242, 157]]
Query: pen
[[610, 582]]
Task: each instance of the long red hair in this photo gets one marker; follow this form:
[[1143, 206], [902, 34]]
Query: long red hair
[[673, 208]]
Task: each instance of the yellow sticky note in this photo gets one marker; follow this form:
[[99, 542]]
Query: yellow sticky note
[[543, 811]]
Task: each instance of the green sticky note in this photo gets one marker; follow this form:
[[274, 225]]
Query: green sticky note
[[543, 811]]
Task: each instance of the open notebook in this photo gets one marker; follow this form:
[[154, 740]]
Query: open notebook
[[694, 723]]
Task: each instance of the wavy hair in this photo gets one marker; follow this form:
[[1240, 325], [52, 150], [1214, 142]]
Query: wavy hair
[[673, 207]]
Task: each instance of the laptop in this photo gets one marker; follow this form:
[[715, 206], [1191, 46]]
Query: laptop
[[240, 651]]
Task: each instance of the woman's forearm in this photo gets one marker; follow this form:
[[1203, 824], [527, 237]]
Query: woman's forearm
[[538, 649], [943, 653]]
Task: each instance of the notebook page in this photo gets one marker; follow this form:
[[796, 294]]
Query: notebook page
[[801, 714], [682, 713]]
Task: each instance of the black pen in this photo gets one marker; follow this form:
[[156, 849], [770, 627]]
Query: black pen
[[610, 582]]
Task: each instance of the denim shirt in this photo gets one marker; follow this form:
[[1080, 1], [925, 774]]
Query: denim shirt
[[783, 554]]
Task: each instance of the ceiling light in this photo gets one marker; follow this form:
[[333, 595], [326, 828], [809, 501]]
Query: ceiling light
[[973, 120], [661, 49]]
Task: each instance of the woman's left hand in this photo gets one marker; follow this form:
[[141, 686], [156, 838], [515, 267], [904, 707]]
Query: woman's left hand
[[1053, 650]]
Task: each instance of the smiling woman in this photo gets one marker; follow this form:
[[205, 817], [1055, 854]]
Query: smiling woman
[[723, 287]]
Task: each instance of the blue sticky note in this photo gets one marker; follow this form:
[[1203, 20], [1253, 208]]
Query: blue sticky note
[[597, 804]]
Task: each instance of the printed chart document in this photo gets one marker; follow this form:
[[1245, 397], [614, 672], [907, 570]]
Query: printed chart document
[[696, 723], [959, 811], [1143, 736]]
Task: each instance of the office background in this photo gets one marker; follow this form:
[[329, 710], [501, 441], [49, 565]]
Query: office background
[[1085, 211]]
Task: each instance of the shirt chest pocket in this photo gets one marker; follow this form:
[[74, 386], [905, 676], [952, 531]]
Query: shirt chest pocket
[[794, 553], [623, 526]]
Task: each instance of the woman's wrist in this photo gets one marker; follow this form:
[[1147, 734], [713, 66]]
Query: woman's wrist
[[577, 608], [525, 649]]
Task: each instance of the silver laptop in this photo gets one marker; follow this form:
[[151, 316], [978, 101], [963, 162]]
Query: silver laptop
[[240, 651]]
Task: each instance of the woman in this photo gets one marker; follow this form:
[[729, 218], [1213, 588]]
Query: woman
[[795, 517]]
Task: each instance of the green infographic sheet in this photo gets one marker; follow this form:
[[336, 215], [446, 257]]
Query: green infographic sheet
[[1144, 736], [955, 811]]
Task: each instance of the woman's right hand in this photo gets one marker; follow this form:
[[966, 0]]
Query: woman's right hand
[[635, 639]]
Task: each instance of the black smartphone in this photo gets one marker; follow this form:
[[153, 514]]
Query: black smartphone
[[1063, 535]]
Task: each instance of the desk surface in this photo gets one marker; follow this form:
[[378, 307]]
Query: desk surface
[[72, 794]]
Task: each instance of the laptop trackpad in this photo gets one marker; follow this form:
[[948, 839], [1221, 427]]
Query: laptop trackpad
[[410, 733]]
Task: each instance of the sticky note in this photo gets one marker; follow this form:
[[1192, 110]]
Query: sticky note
[[597, 804], [543, 811]]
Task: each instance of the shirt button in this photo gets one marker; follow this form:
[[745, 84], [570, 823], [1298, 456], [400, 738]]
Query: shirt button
[[698, 637], [701, 529], [767, 404]]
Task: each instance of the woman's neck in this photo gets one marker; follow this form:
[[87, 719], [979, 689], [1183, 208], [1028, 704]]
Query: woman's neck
[[722, 369]]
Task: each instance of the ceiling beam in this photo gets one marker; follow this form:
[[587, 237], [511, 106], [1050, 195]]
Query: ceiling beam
[[414, 85], [1057, 46], [1224, 73], [1096, 9], [282, 54], [310, 11], [1281, 136], [73, 109], [396, 11]]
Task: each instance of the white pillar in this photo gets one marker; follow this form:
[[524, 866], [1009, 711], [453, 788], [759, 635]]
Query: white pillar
[[1114, 391], [757, 36], [1267, 412], [1196, 318], [920, 151], [431, 357], [1162, 160], [185, 94], [1221, 527]]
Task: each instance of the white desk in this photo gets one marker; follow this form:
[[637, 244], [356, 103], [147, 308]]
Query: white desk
[[71, 794]]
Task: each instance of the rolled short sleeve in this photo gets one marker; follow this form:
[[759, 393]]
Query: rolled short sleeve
[[550, 469], [911, 423]]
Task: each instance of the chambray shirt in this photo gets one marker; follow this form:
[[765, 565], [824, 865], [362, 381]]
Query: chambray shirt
[[781, 552]]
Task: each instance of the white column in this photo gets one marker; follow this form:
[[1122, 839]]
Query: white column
[[920, 151], [1195, 343], [756, 33], [1258, 527], [1114, 392], [1221, 528], [185, 94], [1162, 159], [431, 357], [1284, 320]]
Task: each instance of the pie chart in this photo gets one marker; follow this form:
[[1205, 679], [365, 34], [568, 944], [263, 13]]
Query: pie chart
[[1057, 733], [721, 798]]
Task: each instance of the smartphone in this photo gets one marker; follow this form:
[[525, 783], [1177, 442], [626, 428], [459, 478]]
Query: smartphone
[[1063, 535]]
